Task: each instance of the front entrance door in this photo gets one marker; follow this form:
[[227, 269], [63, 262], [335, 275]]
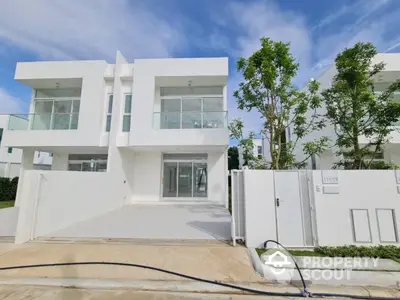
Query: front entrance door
[[184, 176]]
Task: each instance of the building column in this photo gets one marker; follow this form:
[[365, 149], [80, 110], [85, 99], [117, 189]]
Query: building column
[[60, 162], [26, 164]]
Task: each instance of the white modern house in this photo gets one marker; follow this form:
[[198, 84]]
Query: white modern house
[[10, 158], [153, 133], [391, 152]]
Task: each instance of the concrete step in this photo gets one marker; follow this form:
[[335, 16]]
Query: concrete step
[[151, 242]]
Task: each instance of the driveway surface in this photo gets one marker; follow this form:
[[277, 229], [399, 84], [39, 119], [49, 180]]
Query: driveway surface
[[173, 222]]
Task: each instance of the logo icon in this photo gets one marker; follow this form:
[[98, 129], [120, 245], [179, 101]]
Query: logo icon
[[278, 264]]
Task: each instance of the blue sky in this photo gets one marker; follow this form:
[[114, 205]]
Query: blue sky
[[96, 29]]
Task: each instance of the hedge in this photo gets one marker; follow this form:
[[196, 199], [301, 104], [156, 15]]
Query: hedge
[[8, 188], [382, 251]]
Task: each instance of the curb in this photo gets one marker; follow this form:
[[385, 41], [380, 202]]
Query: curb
[[381, 279], [193, 286]]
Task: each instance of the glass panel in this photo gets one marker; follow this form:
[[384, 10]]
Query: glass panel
[[1, 134], [128, 103], [87, 156], [185, 156], [196, 90], [40, 121], [214, 119], [200, 180], [89, 167], [74, 121], [44, 107], [169, 179], [168, 105], [213, 104], [191, 104], [62, 106], [185, 179], [61, 121], [75, 106], [170, 120], [101, 167], [126, 123], [74, 167], [108, 123], [191, 120], [110, 103]]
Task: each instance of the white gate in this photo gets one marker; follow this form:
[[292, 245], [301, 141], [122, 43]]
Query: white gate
[[272, 205], [293, 213]]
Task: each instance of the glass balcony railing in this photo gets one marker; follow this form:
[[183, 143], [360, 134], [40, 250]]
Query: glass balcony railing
[[42, 121], [190, 120]]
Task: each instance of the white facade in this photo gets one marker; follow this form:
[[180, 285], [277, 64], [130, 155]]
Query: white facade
[[10, 158], [391, 151], [155, 128]]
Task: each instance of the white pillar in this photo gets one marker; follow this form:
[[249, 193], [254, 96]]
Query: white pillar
[[26, 164], [60, 162]]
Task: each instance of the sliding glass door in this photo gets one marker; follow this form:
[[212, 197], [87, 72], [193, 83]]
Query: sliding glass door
[[184, 179]]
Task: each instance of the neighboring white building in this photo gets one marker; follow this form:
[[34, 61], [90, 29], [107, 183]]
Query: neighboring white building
[[258, 151], [10, 158], [159, 126], [391, 151]]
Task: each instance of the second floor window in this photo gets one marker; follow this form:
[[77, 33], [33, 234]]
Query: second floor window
[[109, 112], [126, 121]]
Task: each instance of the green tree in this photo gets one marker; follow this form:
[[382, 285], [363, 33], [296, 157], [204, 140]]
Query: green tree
[[267, 87], [245, 144], [233, 158], [355, 110]]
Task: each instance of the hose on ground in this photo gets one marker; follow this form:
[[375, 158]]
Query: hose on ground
[[236, 287]]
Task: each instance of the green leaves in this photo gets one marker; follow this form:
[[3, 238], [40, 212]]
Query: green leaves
[[356, 110], [267, 87]]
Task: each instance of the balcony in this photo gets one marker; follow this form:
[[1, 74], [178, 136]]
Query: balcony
[[190, 120], [44, 121]]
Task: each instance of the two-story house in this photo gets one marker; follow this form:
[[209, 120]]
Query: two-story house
[[157, 128]]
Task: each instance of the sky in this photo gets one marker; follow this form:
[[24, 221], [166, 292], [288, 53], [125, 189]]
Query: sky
[[36, 30]]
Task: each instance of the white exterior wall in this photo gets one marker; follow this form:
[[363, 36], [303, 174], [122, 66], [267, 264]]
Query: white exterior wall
[[370, 190], [91, 111], [324, 203], [146, 100], [55, 202]]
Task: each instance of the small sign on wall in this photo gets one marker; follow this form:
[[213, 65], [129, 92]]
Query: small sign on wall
[[330, 177], [397, 174]]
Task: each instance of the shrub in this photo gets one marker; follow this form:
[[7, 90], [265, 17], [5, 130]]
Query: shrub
[[8, 188], [387, 251]]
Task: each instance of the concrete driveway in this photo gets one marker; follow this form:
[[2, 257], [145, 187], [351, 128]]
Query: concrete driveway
[[222, 263], [172, 222]]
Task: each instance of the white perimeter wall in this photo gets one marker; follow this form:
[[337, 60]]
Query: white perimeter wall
[[373, 194], [62, 199], [369, 190], [8, 221]]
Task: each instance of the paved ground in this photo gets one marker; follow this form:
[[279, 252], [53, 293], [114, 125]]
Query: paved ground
[[204, 222], [47, 293], [221, 263]]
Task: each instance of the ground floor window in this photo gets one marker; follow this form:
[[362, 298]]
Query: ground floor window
[[87, 162], [185, 175]]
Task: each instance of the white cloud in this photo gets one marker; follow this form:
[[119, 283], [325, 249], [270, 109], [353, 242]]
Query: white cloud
[[364, 22], [11, 104], [59, 29]]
